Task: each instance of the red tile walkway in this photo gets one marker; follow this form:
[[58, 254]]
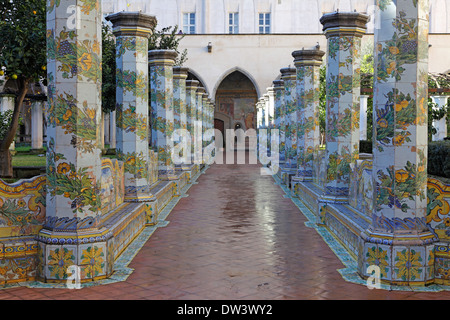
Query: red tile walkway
[[234, 237]]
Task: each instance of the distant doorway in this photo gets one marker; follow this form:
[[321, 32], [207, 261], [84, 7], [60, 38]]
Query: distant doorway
[[236, 98], [220, 125]]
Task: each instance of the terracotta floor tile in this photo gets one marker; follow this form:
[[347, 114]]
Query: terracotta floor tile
[[234, 237]]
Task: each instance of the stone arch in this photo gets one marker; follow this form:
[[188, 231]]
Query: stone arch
[[193, 75], [230, 71], [236, 97], [438, 16]]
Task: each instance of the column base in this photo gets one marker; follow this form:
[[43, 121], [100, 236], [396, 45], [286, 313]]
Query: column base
[[138, 194], [298, 178], [398, 259]]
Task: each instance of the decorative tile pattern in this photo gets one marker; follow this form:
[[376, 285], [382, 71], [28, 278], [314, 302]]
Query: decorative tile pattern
[[344, 32], [288, 75], [22, 207], [162, 121], [132, 31], [278, 87], [191, 111], [400, 108], [198, 135], [179, 103], [400, 141], [308, 64], [74, 110]]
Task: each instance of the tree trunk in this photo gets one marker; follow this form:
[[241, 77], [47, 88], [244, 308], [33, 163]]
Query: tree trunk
[[6, 169]]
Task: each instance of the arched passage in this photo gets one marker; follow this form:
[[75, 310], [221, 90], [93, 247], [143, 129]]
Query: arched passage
[[235, 98], [192, 75]]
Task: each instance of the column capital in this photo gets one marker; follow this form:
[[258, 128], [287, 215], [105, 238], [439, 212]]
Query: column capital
[[201, 90], [440, 99], [162, 57], [312, 57], [135, 24], [288, 73], [180, 72], [192, 84], [278, 85], [344, 24]]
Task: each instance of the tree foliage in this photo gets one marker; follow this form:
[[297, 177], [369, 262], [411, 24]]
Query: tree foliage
[[168, 38], [22, 39], [23, 56], [108, 69]]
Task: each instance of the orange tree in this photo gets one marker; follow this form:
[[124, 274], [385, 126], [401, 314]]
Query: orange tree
[[23, 54]]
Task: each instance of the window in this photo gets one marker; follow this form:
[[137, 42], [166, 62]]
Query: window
[[189, 23], [264, 23], [233, 22]]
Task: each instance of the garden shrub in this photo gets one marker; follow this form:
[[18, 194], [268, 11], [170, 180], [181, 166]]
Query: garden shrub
[[365, 146], [439, 158]]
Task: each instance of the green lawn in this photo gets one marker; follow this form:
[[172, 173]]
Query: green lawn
[[28, 160], [22, 159]]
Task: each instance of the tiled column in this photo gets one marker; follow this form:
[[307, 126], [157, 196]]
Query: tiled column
[[7, 102], [198, 145], [440, 125], [161, 88], [180, 75], [271, 108], [112, 129], [204, 125], [209, 134], [398, 240], [191, 111], [363, 117], [289, 75], [37, 125], [344, 31], [70, 235], [266, 110], [308, 64], [132, 31], [278, 87], [259, 115]]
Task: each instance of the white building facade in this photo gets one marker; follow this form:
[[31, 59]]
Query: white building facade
[[256, 38]]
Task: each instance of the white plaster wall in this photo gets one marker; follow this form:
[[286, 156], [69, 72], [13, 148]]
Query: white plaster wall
[[288, 16], [295, 24], [261, 57]]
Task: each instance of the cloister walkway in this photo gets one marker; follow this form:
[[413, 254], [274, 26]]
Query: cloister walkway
[[235, 236]]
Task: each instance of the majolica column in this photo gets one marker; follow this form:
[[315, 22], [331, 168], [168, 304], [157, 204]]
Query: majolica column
[[399, 241], [37, 125], [180, 75], [265, 102], [112, 129], [440, 125], [132, 31], [278, 87], [191, 111], [343, 31], [70, 235], [259, 115], [198, 144], [289, 76], [308, 64], [209, 132], [161, 64], [363, 117], [271, 106], [7, 102], [204, 120]]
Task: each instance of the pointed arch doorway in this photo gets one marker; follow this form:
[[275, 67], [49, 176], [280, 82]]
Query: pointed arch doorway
[[236, 97]]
